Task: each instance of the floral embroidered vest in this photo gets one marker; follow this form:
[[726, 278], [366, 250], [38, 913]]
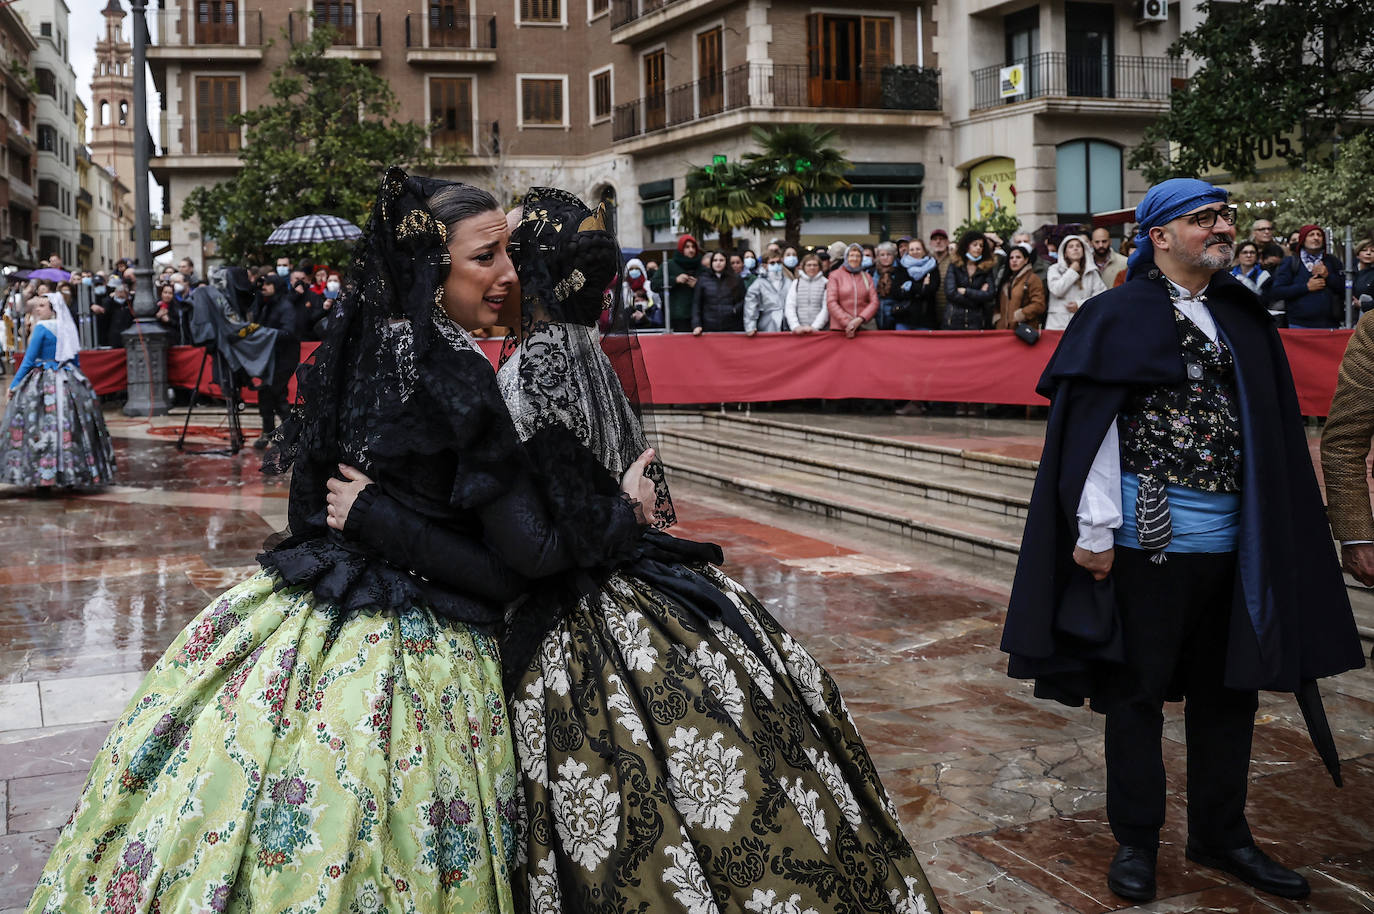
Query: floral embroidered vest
[[1187, 434]]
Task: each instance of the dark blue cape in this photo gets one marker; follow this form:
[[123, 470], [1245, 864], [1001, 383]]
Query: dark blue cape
[[1291, 620]]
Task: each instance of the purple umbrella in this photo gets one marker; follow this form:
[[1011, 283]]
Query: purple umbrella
[[50, 273]]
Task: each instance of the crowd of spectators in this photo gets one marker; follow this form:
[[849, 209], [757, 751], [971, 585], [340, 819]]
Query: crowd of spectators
[[979, 283], [294, 299]]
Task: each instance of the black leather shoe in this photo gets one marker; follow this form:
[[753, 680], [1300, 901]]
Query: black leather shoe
[[1132, 873], [1254, 868]]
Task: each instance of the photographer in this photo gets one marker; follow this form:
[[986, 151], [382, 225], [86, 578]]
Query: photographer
[[307, 304]]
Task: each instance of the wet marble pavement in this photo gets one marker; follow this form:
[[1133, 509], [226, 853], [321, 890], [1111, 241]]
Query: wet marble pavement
[[1001, 793]]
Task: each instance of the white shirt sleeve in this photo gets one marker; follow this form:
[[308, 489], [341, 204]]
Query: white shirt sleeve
[[1099, 507]]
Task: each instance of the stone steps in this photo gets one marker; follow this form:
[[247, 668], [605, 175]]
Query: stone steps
[[938, 523], [847, 469], [972, 503]]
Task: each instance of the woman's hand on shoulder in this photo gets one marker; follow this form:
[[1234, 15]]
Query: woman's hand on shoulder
[[637, 486], [342, 494]]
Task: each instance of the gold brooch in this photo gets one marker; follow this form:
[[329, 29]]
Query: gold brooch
[[567, 287]]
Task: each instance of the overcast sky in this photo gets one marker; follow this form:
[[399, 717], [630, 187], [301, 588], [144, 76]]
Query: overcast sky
[[86, 27]]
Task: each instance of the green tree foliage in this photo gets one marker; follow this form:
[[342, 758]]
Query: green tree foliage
[[1335, 195], [999, 221], [723, 197], [1264, 72], [318, 144], [799, 159]]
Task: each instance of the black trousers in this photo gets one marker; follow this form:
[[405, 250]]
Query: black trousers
[[1175, 617]]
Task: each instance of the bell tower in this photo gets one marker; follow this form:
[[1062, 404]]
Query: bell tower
[[112, 98]]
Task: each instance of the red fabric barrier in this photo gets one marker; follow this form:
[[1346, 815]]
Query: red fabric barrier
[[972, 367]]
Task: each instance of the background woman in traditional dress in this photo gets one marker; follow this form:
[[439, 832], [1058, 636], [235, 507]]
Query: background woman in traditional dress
[[53, 433]]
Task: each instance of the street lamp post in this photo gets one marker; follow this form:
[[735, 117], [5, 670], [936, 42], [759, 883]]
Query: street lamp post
[[145, 343]]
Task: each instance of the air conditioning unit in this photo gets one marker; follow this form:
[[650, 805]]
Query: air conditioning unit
[[1152, 11]]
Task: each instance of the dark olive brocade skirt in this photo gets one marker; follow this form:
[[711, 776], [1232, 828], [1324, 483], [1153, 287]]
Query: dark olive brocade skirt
[[667, 766]]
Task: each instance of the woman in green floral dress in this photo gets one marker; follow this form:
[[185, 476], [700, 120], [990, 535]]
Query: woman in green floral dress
[[330, 735]]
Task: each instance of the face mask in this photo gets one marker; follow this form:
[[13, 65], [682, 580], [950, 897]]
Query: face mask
[[98, 290], [868, 262], [1052, 255], [972, 257], [87, 281], [635, 273], [790, 262], [283, 271], [179, 288], [121, 299], [775, 269], [750, 263]]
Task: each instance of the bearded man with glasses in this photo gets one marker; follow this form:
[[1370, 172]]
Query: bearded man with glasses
[[1176, 545]]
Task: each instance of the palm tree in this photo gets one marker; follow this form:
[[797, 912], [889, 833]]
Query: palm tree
[[724, 197], [799, 160]]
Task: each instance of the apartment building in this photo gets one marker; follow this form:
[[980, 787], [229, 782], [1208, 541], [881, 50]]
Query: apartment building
[[1052, 96], [103, 219], [615, 99], [18, 200], [54, 127]]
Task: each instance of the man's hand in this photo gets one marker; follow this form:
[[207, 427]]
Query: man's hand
[[96, 309], [1071, 307], [1099, 564], [750, 332], [1316, 284], [696, 331], [1358, 559]]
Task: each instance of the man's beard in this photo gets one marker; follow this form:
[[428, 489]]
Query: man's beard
[[1218, 258]]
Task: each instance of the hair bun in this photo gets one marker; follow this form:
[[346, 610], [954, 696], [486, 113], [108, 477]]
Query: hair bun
[[596, 256]]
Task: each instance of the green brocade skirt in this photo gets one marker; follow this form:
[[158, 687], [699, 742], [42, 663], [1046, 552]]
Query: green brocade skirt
[[286, 757]]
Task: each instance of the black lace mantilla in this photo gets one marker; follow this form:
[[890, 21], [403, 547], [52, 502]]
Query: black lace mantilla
[[398, 391]]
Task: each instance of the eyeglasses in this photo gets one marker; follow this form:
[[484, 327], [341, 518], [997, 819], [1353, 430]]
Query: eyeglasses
[[1208, 217]]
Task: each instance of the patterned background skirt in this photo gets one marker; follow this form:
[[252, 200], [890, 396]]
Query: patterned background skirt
[[284, 757], [54, 434], [669, 768]]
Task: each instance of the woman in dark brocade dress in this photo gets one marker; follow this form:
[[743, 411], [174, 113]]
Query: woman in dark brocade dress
[[679, 751]]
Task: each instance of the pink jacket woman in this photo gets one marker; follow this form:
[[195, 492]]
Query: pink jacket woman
[[850, 294]]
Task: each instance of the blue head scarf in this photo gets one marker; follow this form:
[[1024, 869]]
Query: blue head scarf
[[1163, 203]]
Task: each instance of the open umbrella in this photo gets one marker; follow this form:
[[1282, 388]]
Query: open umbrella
[[51, 274], [314, 229]]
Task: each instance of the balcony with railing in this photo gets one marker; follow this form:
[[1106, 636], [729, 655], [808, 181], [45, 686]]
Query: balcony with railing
[[635, 20], [1057, 75], [19, 136], [442, 39], [86, 242], [894, 90], [357, 38], [208, 30], [205, 143], [84, 198]]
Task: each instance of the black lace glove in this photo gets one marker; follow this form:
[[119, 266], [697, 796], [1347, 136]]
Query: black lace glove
[[410, 540]]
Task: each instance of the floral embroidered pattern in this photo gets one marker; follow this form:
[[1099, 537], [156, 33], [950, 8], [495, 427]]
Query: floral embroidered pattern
[[187, 811], [673, 757], [1187, 434], [587, 815]]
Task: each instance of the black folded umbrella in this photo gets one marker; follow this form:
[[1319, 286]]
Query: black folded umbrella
[[1310, 701]]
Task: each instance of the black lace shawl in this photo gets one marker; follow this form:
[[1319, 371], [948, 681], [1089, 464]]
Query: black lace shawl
[[572, 390], [400, 392]]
